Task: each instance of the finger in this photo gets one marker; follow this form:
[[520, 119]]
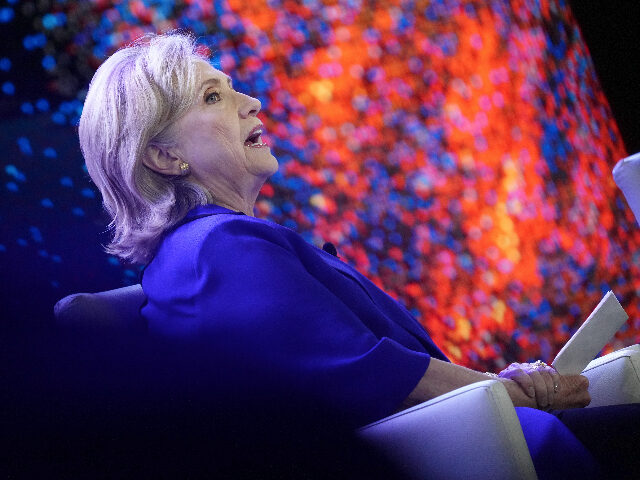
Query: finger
[[585, 382], [512, 368], [572, 392], [548, 380], [525, 382], [511, 371], [584, 397], [555, 376], [542, 395]]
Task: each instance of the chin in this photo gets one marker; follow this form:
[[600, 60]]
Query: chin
[[265, 167], [274, 165]]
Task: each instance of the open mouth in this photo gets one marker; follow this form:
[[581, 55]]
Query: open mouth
[[254, 140]]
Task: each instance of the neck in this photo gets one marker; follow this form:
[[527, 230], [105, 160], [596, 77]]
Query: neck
[[246, 209], [234, 199]]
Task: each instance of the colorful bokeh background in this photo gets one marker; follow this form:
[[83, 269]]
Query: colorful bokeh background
[[456, 152]]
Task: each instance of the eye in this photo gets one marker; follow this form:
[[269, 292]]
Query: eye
[[212, 97]]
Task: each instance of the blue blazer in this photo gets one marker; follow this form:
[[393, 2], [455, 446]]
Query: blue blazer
[[272, 308], [264, 297]]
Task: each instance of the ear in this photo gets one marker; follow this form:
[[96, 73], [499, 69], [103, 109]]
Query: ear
[[166, 162]]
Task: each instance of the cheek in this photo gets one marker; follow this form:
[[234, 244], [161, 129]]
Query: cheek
[[225, 134], [217, 139], [209, 139]]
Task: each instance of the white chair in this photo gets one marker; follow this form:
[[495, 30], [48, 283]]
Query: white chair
[[425, 438], [615, 378], [626, 174], [477, 422], [472, 432], [117, 309]]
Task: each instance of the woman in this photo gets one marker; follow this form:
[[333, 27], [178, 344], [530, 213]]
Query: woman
[[178, 157]]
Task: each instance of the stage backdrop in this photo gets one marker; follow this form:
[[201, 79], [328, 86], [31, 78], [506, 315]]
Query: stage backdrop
[[456, 152]]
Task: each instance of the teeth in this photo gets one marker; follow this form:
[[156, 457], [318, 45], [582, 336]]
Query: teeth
[[254, 135], [255, 140]]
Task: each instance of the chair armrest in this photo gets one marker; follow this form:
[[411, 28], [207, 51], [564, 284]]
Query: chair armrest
[[626, 174], [471, 432], [615, 378], [114, 309]]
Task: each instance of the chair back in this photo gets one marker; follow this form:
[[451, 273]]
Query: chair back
[[626, 174], [117, 309], [615, 378]]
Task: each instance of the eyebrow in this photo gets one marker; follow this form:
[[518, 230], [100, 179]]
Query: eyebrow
[[216, 81]]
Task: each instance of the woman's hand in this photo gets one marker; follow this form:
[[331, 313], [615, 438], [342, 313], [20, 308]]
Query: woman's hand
[[572, 392], [537, 380], [550, 389], [442, 377]]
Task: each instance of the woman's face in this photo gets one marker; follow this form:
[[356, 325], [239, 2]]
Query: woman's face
[[219, 137]]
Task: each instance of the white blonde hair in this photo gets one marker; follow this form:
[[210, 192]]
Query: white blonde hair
[[134, 98]]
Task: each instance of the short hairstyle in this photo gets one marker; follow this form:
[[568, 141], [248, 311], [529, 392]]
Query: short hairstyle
[[134, 98]]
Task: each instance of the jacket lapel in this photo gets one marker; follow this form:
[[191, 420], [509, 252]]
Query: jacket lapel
[[407, 321]]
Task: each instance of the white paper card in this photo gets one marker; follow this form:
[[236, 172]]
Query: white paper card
[[605, 320]]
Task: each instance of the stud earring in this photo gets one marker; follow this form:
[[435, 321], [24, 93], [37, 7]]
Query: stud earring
[[185, 169]]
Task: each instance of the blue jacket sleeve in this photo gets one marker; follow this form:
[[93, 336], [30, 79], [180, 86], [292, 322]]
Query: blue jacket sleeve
[[254, 294]]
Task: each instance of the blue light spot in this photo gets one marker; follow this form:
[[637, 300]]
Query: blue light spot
[[2, 248], [27, 108], [56, 258], [13, 171], [66, 107], [55, 284], [5, 64], [66, 182], [48, 62], [36, 235], [8, 88], [58, 118], [25, 146], [87, 192], [49, 152], [34, 41], [78, 211], [43, 253], [22, 242], [6, 14], [12, 186], [129, 273], [42, 104], [46, 203], [50, 21]]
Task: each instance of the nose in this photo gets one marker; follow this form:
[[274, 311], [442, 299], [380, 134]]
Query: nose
[[249, 106]]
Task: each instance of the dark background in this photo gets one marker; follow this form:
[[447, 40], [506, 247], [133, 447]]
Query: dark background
[[611, 30]]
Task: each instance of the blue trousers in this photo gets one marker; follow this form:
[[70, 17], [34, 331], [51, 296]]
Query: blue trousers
[[598, 442]]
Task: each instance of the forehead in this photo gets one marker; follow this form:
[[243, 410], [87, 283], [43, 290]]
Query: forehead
[[207, 75]]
